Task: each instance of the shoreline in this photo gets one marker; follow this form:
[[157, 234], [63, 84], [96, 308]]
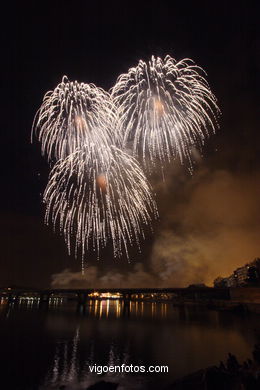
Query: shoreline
[[230, 375]]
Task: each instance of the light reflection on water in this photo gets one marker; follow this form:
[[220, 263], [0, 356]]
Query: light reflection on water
[[67, 370], [53, 345]]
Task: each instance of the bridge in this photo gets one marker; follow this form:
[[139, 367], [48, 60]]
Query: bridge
[[125, 294]]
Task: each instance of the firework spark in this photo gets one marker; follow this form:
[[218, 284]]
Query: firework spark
[[72, 116], [158, 111], [166, 107], [96, 194]]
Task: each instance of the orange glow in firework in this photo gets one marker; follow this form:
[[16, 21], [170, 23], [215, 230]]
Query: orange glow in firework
[[80, 122], [158, 107], [102, 182]]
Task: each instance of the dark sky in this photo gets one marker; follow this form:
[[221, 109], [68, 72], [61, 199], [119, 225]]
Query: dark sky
[[95, 42]]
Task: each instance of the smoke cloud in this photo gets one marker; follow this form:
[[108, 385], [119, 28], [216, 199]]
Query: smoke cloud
[[209, 225]]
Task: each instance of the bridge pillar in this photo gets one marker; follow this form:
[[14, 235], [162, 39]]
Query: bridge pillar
[[44, 298], [82, 298], [13, 297], [10, 298], [196, 296], [126, 296]]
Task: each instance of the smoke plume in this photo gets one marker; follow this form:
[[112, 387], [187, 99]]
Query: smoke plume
[[209, 225]]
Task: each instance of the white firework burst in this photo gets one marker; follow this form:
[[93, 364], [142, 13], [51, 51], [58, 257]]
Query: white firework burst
[[96, 194], [74, 115], [166, 107], [158, 111]]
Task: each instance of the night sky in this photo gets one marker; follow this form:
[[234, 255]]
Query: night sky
[[209, 221]]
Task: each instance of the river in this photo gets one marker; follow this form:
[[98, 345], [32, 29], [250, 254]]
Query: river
[[53, 346]]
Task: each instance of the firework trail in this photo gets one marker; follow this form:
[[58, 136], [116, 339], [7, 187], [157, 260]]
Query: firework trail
[[74, 115], [165, 107], [96, 194]]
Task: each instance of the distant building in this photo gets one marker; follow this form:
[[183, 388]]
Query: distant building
[[254, 272], [220, 282], [241, 275], [232, 280], [247, 275]]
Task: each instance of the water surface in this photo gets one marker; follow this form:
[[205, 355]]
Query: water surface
[[45, 347]]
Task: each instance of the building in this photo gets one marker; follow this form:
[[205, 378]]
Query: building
[[247, 275], [241, 275]]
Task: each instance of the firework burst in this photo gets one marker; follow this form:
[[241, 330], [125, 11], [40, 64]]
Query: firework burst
[[166, 107], [72, 116], [158, 111], [96, 194]]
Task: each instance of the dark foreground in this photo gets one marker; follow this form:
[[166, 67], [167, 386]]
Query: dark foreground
[[229, 375], [52, 347]]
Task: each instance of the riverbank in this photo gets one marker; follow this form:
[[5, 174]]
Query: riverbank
[[230, 375]]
